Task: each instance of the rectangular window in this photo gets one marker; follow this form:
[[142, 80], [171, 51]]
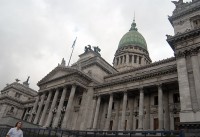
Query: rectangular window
[[138, 102], [135, 58], [176, 98], [155, 123], [156, 100], [125, 126], [111, 125], [130, 58], [17, 95], [117, 61], [196, 23], [113, 105], [79, 101], [140, 60], [124, 58], [136, 126], [176, 123]]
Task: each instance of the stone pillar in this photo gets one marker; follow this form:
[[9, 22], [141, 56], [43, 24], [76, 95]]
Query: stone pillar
[[39, 109], [34, 108], [130, 123], [184, 87], [127, 59], [94, 103], [166, 111], [124, 111], [60, 106], [69, 106], [196, 74], [88, 110], [96, 115], [141, 111], [115, 126], [109, 112], [50, 115], [147, 116], [45, 108], [160, 107]]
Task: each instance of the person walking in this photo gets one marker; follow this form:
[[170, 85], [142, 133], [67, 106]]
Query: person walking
[[16, 131]]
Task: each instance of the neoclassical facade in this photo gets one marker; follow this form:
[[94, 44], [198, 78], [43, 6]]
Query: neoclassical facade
[[133, 94]]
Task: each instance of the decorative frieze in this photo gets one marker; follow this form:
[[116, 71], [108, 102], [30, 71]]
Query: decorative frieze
[[187, 52]]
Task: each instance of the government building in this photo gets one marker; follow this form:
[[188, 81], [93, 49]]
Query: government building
[[133, 93]]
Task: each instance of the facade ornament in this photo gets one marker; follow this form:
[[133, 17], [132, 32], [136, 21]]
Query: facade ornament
[[26, 82], [97, 49], [178, 3], [17, 80], [88, 48], [63, 62]]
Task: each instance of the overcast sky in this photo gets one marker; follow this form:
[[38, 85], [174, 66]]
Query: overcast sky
[[36, 34]]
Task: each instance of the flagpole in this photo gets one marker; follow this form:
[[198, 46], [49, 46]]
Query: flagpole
[[72, 51]]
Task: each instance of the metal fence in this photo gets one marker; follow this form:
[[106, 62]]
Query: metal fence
[[40, 132]]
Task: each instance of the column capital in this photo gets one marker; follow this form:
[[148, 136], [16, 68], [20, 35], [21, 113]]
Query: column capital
[[74, 85], [141, 89], [194, 52], [159, 84]]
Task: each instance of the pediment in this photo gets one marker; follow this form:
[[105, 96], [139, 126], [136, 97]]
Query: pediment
[[58, 72]]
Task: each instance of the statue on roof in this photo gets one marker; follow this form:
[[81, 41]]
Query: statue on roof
[[178, 3], [26, 82], [88, 48], [97, 49], [17, 80], [63, 62]]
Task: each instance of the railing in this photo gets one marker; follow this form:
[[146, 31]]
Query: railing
[[40, 132]]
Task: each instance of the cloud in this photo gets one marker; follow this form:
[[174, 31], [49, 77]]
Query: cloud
[[36, 34]]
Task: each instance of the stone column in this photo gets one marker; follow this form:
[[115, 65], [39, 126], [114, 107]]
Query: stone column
[[109, 112], [184, 87], [127, 59], [147, 116], [60, 106], [88, 111], [39, 109], [45, 108], [96, 115], [141, 111], [94, 103], [115, 126], [124, 111], [160, 107], [34, 108], [130, 123], [69, 106], [196, 74], [50, 115]]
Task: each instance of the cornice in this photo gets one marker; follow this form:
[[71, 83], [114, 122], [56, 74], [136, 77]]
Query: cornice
[[186, 9], [143, 67], [169, 70], [187, 52], [20, 87], [182, 36], [11, 101]]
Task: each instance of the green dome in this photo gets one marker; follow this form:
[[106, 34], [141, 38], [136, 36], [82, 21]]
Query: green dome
[[133, 37]]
